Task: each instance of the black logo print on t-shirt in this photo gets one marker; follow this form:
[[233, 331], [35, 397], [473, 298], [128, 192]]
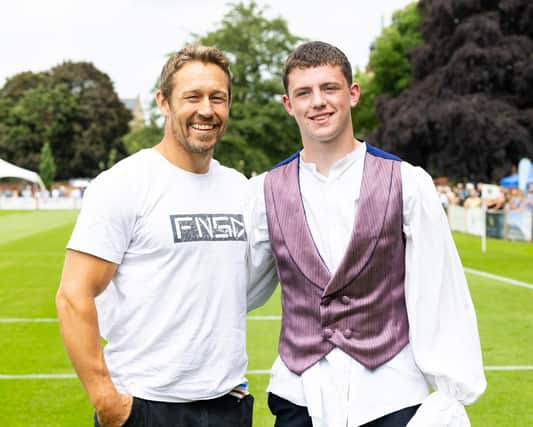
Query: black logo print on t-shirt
[[207, 227]]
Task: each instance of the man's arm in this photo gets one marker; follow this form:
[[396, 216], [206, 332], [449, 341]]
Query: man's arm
[[84, 278], [442, 320], [262, 279]]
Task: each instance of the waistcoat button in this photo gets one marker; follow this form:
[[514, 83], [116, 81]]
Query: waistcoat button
[[328, 333], [345, 300], [347, 333]]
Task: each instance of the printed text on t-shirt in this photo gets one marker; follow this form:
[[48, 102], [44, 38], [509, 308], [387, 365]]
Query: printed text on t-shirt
[[207, 227]]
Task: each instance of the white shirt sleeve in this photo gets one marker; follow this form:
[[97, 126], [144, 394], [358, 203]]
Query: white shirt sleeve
[[106, 221], [262, 270], [442, 320]]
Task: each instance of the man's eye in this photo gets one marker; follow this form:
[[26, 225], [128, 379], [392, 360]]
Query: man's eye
[[302, 93], [218, 99]]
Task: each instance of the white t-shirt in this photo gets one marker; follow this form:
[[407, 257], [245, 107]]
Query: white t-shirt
[[174, 315]]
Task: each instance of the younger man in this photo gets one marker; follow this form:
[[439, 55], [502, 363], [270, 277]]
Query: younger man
[[375, 302]]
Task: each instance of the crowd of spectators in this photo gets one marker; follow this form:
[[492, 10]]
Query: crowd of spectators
[[27, 190], [469, 196]]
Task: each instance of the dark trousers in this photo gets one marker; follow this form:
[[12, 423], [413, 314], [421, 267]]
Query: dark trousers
[[225, 411], [290, 415]]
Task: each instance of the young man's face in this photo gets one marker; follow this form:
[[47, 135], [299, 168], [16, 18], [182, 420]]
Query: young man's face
[[320, 100], [198, 109]]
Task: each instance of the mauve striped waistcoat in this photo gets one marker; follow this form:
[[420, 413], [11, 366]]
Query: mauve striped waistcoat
[[361, 307]]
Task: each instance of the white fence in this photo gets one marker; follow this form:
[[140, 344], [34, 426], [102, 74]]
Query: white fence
[[511, 225]]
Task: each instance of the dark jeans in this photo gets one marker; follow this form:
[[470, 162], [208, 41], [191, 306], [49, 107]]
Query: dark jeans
[[290, 415], [225, 411]]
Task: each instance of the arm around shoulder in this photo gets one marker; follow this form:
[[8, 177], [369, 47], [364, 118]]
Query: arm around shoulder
[[262, 277]]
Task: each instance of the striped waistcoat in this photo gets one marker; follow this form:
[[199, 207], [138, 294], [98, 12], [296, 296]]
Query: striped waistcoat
[[361, 307]]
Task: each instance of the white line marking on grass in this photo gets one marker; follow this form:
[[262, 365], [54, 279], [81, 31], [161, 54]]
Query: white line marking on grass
[[264, 317], [28, 320], [250, 372], [38, 377], [32, 254], [500, 278], [508, 368]]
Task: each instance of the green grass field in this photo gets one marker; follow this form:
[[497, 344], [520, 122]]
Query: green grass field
[[31, 256]]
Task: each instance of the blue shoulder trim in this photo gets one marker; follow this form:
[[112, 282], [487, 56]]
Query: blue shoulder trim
[[286, 161], [379, 153]]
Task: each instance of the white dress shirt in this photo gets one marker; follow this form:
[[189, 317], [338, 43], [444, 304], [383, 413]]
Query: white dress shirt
[[444, 349]]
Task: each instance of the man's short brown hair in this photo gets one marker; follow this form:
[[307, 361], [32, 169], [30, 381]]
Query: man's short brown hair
[[315, 54], [192, 53]]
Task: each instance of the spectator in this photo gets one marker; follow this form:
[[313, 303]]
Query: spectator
[[473, 201], [498, 201], [452, 197], [516, 200], [461, 192]]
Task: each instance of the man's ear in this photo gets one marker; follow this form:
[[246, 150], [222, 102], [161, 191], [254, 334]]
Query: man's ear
[[287, 104], [162, 103], [355, 91]]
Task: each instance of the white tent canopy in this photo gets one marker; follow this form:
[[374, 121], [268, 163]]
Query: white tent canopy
[[8, 170]]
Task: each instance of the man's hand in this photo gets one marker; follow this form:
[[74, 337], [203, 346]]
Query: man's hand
[[115, 411]]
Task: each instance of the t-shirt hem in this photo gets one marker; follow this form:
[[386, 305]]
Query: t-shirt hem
[[143, 394]]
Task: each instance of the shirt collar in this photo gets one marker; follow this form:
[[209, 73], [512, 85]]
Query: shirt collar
[[339, 167]]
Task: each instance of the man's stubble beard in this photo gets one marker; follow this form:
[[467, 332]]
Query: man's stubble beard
[[196, 149]]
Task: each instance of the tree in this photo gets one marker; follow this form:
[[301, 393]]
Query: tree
[[389, 58], [144, 137], [74, 108], [364, 115], [388, 71], [41, 114], [468, 113], [47, 166], [101, 122]]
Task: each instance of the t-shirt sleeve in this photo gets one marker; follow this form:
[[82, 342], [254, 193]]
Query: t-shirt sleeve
[[106, 221]]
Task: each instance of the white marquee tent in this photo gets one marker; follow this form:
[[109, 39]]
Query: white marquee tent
[[8, 170]]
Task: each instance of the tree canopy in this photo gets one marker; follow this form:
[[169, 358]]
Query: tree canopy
[[389, 70], [468, 113], [260, 132], [74, 108]]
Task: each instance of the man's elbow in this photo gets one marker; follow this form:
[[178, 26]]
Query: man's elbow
[[62, 302]]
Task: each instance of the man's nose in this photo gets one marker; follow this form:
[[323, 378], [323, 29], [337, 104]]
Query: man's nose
[[317, 100], [205, 108]]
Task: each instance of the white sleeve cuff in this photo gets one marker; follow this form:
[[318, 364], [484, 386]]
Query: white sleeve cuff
[[440, 410]]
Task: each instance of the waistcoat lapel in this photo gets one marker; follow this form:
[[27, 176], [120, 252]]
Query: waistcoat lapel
[[290, 214], [369, 220]]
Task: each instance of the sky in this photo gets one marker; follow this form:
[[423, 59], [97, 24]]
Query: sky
[[129, 39]]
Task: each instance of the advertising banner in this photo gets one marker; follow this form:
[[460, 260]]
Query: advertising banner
[[495, 224], [519, 225]]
